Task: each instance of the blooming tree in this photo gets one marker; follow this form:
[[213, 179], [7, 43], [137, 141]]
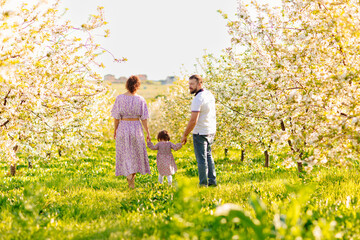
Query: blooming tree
[[312, 51], [171, 112], [301, 58], [51, 99], [289, 81]]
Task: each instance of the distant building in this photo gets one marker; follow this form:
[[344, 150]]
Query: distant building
[[142, 77], [169, 80], [109, 77], [122, 79]]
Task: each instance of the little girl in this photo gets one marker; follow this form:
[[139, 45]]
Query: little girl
[[164, 159]]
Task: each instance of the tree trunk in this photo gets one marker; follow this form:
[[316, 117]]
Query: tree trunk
[[242, 154], [13, 166], [30, 164], [282, 125], [267, 159], [226, 152], [300, 166], [13, 169]]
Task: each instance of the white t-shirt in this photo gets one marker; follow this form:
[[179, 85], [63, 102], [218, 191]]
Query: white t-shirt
[[204, 102]]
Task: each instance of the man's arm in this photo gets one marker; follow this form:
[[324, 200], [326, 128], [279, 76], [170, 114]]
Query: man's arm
[[192, 122]]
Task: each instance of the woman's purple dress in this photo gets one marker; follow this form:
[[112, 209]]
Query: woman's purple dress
[[131, 154]]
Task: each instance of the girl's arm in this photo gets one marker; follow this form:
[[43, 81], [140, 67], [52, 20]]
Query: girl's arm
[[151, 146], [175, 147]]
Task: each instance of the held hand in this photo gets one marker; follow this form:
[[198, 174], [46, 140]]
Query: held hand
[[183, 140], [114, 134], [148, 138]]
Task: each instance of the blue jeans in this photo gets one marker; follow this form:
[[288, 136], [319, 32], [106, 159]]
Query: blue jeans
[[205, 161]]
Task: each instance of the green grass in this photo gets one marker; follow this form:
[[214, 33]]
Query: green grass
[[83, 199]]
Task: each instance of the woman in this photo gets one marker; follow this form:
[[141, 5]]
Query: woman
[[128, 110]]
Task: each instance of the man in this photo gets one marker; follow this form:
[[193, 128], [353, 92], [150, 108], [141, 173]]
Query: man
[[203, 124]]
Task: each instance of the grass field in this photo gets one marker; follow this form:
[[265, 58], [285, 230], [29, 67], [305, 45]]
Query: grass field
[[149, 90], [83, 199], [66, 198]]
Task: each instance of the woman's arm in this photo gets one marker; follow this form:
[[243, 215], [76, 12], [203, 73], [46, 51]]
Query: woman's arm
[[116, 124], [145, 125]]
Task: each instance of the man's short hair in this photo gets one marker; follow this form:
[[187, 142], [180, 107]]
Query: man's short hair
[[198, 78]]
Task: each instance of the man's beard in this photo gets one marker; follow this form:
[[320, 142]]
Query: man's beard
[[193, 91]]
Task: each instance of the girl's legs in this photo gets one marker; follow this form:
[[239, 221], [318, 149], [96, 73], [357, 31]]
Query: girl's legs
[[161, 178], [169, 178]]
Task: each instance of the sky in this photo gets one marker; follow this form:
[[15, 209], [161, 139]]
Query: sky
[[159, 38]]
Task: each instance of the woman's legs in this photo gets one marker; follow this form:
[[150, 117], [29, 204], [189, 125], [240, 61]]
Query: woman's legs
[[131, 180]]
